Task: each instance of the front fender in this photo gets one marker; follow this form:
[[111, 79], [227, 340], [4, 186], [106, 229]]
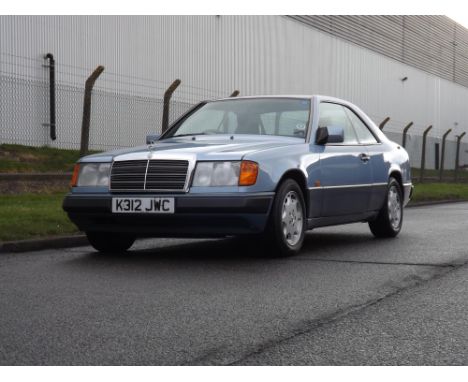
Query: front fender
[[276, 163]]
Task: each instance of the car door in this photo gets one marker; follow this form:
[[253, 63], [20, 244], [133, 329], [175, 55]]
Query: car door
[[376, 159], [345, 172]]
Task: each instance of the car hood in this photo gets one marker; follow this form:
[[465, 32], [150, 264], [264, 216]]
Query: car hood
[[201, 148]]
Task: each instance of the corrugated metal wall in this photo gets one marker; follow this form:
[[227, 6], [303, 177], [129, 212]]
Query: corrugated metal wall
[[435, 44], [212, 56]]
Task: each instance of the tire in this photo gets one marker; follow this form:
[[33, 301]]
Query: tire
[[286, 228], [110, 242], [390, 218]]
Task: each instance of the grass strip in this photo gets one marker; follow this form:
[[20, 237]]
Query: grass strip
[[27, 216], [440, 191], [21, 159]]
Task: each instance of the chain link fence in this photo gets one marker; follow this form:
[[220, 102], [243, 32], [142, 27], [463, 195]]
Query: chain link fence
[[126, 108]]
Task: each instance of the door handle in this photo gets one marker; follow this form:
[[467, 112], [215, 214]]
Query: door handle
[[364, 157]]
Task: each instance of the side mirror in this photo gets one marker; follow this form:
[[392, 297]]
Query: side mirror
[[329, 134], [151, 138]]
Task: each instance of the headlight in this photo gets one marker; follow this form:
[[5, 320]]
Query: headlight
[[91, 175], [225, 174]]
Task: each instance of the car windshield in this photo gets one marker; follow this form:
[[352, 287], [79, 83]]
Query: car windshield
[[259, 116]]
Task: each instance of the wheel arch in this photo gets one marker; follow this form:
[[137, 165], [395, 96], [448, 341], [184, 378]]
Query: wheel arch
[[398, 177], [300, 178]]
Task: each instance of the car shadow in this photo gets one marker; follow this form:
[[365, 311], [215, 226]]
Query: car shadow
[[229, 250]]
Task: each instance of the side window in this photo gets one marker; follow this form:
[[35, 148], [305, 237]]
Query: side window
[[331, 114], [362, 131]]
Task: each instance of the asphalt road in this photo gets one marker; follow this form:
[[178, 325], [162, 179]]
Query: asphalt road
[[346, 299]]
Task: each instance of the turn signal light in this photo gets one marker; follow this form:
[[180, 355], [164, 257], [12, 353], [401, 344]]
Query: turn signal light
[[248, 173], [76, 171]]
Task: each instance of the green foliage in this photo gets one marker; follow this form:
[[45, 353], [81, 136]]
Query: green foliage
[[440, 191], [18, 158], [26, 216]]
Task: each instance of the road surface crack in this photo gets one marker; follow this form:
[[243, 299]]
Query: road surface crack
[[450, 265], [309, 326]]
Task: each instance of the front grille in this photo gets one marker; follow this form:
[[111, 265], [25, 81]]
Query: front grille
[[129, 175], [166, 174], [154, 175]]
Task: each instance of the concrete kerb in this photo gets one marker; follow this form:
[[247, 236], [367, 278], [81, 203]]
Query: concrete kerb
[[44, 243]]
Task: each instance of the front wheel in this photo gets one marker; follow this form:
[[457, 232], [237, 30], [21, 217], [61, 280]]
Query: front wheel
[[390, 218], [287, 222], [110, 242]]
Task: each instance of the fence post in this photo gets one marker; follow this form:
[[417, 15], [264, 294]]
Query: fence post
[[235, 93], [423, 154], [167, 98], [89, 84], [457, 155], [383, 123], [442, 154], [53, 131], [405, 132]]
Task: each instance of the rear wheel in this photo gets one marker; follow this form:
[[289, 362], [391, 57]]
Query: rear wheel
[[106, 242], [390, 218], [287, 223]]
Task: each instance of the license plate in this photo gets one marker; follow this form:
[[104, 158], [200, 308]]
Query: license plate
[[143, 205]]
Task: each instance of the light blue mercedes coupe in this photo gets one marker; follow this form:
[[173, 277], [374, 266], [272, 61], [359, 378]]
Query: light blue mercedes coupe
[[270, 167]]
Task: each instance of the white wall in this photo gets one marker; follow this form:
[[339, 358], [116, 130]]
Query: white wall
[[212, 56]]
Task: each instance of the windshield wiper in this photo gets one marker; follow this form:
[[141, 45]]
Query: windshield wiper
[[187, 135]]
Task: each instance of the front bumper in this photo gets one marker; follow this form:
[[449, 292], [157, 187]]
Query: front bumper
[[195, 215]]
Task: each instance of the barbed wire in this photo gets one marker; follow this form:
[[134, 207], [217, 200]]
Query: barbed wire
[[87, 71]]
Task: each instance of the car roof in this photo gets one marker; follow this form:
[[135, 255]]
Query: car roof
[[298, 96], [264, 96]]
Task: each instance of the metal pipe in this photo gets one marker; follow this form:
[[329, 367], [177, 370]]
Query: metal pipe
[[457, 155], [53, 131], [89, 84], [167, 98], [442, 154], [383, 123], [423, 154], [405, 132]]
